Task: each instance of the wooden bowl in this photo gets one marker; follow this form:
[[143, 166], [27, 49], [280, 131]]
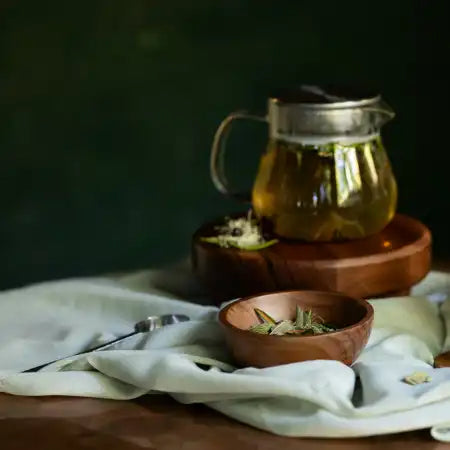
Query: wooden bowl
[[386, 264], [353, 317]]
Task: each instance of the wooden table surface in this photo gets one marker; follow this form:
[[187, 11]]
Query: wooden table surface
[[159, 423]]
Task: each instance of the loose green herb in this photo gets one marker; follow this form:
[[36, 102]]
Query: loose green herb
[[243, 233], [264, 317], [305, 323], [417, 378], [262, 328]]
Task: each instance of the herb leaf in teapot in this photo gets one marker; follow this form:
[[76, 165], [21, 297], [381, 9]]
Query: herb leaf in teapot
[[305, 323]]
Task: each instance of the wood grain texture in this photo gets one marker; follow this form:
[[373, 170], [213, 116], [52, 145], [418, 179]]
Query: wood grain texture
[[384, 264], [354, 316], [158, 423]]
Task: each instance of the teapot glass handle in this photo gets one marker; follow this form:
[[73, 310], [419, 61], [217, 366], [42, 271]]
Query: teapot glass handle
[[217, 161]]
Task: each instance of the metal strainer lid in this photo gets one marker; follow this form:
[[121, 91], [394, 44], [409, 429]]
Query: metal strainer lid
[[321, 114], [326, 97]]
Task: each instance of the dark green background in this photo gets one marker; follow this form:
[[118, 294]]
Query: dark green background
[[108, 109]]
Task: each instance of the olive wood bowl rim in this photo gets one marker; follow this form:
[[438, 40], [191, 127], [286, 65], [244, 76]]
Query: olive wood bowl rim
[[367, 318]]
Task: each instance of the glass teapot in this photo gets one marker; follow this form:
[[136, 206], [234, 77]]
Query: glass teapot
[[325, 175]]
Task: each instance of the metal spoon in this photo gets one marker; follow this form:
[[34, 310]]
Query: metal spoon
[[149, 324]]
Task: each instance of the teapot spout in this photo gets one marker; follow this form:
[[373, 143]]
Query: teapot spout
[[381, 113], [386, 111]]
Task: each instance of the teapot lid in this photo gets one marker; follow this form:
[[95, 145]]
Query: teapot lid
[[326, 96], [314, 114]]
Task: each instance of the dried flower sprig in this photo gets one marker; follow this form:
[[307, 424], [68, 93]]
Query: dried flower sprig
[[244, 233]]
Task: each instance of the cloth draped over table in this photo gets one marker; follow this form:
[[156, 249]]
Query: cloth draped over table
[[190, 362]]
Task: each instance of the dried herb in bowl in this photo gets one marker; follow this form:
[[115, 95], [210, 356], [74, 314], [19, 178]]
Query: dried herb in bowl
[[305, 323]]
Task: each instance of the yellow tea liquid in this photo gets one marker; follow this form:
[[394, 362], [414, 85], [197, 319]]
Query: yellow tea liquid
[[325, 192]]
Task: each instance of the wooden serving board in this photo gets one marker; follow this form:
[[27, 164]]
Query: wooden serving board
[[443, 360], [388, 263]]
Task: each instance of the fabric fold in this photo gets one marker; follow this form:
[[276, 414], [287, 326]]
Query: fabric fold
[[190, 361]]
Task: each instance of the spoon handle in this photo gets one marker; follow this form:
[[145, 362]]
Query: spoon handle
[[93, 349]]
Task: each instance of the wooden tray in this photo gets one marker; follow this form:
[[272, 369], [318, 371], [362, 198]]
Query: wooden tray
[[442, 360], [388, 263]]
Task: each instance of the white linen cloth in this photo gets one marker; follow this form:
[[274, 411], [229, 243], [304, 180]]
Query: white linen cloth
[[51, 320]]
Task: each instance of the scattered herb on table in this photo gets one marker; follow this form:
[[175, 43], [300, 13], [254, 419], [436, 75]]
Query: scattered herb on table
[[417, 378], [305, 323], [244, 233]]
